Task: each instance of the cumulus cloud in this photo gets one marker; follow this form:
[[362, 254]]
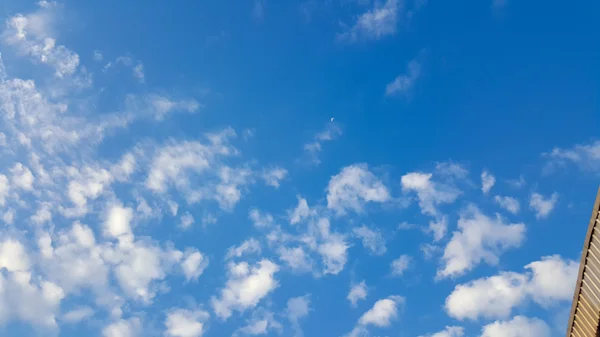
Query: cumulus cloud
[[250, 246], [371, 239], [297, 308], [519, 326], [400, 265], [246, 286], [260, 323], [301, 212], [584, 156], [487, 181], [185, 323], [193, 264], [77, 315], [508, 203], [543, 206], [449, 331], [478, 239], [123, 328], [353, 187], [273, 176], [357, 293], [546, 282], [383, 312], [260, 219]]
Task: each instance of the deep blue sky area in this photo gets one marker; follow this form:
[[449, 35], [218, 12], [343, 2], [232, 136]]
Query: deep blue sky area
[[410, 168]]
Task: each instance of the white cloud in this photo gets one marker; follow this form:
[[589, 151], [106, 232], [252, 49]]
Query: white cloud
[[186, 220], [519, 326], [334, 252], [439, 228], [185, 323], [260, 219], [312, 149], [274, 176], [543, 206], [22, 177], [138, 73], [32, 35], [193, 264], [297, 308], [357, 293], [400, 265], [584, 156], [432, 193], [160, 106], [77, 315], [97, 56], [250, 246], [245, 287], [117, 224], [449, 331], [547, 282], [478, 239], [383, 312], [123, 328], [508, 203], [491, 297], [301, 212], [296, 258], [404, 83], [261, 322], [4, 189], [377, 22], [353, 187], [487, 181], [371, 239]]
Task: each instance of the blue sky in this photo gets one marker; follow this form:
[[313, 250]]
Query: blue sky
[[283, 168]]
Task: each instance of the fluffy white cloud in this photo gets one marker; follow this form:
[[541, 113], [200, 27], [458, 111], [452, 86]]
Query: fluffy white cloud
[[519, 326], [585, 156], [250, 246], [543, 206], [400, 265], [479, 239], [123, 328], [185, 323], [404, 83], [547, 282], [383, 312], [260, 219], [353, 187], [296, 258], [274, 176], [487, 181], [245, 287], [301, 212], [297, 308], [431, 193], [22, 177], [193, 264], [261, 322], [186, 220], [334, 252], [508, 203], [371, 239], [118, 221], [449, 331], [377, 22], [357, 293]]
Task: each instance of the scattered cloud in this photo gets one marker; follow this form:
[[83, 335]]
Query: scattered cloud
[[246, 286], [123, 328], [371, 239], [353, 187], [274, 176], [547, 282], [358, 292], [449, 331], [403, 84], [543, 206], [381, 315], [478, 239], [312, 149], [487, 181], [584, 156], [400, 265], [297, 308], [185, 323], [519, 326], [379, 21], [508, 203], [250, 246]]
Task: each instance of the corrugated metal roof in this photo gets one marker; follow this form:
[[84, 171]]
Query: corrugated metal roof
[[585, 311]]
